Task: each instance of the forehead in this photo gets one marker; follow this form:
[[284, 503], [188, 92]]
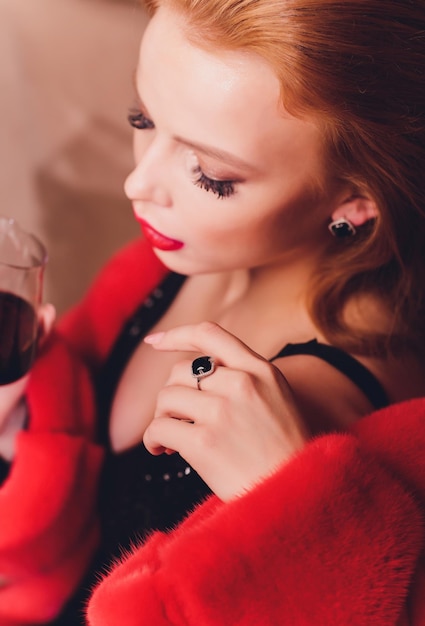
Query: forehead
[[225, 98], [166, 45], [211, 82]]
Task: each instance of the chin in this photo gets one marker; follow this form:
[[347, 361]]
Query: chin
[[177, 262]]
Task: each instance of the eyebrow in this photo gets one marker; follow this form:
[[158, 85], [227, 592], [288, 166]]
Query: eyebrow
[[221, 155], [214, 153]]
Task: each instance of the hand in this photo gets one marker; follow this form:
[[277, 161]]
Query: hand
[[46, 319], [240, 427]]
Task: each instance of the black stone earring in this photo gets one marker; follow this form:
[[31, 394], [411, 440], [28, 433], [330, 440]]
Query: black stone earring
[[342, 228]]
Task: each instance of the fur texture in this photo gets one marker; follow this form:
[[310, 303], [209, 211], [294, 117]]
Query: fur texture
[[48, 525], [335, 537], [48, 530]]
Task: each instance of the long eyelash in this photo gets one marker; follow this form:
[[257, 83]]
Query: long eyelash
[[221, 188], [138, 120]]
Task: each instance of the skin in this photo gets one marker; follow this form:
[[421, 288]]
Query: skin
[[218, 432], [283, 198], [248, 256]]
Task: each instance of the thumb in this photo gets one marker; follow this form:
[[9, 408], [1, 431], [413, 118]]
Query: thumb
[[46, 320]]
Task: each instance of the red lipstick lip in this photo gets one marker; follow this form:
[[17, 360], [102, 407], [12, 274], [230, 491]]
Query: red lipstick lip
[[157, 239]]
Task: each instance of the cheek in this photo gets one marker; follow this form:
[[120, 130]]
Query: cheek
[[222, 221]]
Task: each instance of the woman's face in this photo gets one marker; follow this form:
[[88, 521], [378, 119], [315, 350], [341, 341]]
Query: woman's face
[[225, 178]]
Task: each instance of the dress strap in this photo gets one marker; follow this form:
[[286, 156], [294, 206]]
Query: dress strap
[[343, 362], [137, 326]]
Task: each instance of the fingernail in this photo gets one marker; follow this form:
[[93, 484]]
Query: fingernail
[[154, 338]]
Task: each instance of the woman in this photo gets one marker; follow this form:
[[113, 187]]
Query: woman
[[278, 183]]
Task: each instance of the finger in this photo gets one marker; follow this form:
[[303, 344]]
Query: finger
[[229, 379], [182, 403], [206, 338], [182, 374], [165, 434], [46, 319], [219, 382]]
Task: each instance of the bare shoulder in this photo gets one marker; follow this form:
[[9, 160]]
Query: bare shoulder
[[329, 400]]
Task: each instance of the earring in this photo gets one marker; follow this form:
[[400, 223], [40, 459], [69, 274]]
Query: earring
[[341, 228]]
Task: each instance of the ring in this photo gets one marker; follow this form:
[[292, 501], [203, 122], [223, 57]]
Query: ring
[[201, 367]]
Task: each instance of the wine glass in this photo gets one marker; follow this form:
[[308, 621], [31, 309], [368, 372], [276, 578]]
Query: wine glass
[[22, 261]]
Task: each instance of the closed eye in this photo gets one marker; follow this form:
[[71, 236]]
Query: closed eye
[[221, 188]]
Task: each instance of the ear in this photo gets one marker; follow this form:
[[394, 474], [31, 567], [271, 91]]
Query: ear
[[356, 209]]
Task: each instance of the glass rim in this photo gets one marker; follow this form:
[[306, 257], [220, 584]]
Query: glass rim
[[40, 257]]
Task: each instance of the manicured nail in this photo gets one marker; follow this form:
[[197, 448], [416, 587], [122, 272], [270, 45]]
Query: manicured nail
[[154, 338]]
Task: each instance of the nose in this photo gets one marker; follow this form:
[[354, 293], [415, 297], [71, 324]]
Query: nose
[[148, 182]]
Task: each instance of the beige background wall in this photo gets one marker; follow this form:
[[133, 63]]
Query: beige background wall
[[65, 146]]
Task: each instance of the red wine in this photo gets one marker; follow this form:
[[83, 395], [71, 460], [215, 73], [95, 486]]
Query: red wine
[[18, 337]]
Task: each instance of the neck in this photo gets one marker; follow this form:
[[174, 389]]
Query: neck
[[286, 281], [274, 294]]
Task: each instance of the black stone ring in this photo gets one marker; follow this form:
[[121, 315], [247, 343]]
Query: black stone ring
[[201, 367]]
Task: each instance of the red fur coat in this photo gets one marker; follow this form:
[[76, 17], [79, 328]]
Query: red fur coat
[[48, 529], [334, 538], [48, 525]]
